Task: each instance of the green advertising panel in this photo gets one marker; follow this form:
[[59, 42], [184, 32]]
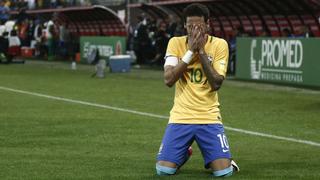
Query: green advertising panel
[[282, 60], [107, 46]]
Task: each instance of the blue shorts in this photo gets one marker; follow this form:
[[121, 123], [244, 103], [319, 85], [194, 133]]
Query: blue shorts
[[178, 138]]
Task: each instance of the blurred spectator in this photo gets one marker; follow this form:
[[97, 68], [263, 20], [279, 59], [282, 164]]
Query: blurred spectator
[[38, 39], [9, 26], [180, 31], [14, 40], [40, 4], [69, 44], [53, 3], [71, 2], [286, 33], [14, 45], [153, 26], [30, 31], [21, 4], [240, 32], [232, 52], [305, 32], [130, 39], [46, 3], [161, 42], [50, 40], [172, 26], [4, 44], [64, 40], [23, 32], [62, 30], [22, 16], [142, 42], [265, 32], [7, 3], [31, 4], [4, 12]]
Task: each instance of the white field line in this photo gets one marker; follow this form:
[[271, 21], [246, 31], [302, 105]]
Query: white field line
[[156, 116]]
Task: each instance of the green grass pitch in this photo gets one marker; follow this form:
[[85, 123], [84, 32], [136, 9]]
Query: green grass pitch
[[42, 138]]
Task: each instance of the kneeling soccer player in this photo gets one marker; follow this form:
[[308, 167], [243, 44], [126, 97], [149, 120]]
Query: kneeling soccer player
[[197, 65]]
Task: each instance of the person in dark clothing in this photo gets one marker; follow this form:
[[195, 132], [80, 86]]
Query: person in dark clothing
[[172, 26], [22, 15], [4, 46], [142, 42], [69, 44], [161, 42], [30, 32]]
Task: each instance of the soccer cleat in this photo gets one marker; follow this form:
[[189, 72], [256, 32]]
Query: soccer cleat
[[188, 155], [235, 166]]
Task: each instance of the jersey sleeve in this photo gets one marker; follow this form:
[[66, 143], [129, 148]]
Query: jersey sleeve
[[221, 58], [172, 48]]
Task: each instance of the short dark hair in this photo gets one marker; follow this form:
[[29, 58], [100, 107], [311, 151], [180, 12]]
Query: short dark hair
[[196, 9]]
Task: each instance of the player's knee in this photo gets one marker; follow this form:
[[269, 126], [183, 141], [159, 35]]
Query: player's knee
[[164, 170], [224, 172]]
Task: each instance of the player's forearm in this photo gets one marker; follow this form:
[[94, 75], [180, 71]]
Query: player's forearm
[[214, 78], [173, 73]]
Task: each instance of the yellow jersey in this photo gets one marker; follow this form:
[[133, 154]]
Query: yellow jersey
[[195, 102]]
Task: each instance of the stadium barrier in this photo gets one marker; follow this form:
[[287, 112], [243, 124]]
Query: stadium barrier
[[280, 60], [107, 46]]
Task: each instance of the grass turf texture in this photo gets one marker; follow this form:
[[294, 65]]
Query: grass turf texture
[[48, 139]]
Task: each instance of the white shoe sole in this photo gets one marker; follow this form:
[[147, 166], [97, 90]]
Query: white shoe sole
[[235, 166]]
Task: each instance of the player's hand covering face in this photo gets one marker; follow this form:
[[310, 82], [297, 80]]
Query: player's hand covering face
[[197, 33]]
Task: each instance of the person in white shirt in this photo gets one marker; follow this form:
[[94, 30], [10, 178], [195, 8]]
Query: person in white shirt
[[14, 40]]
